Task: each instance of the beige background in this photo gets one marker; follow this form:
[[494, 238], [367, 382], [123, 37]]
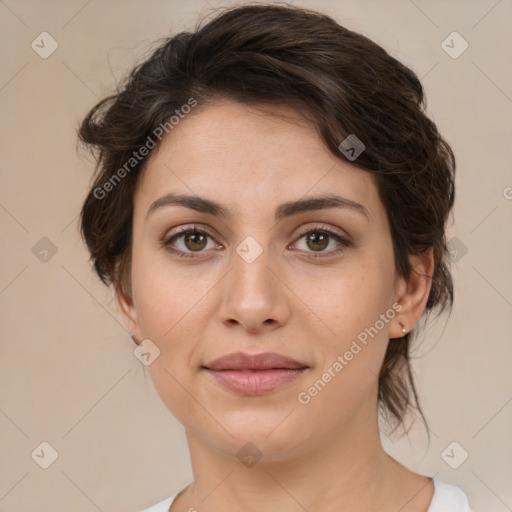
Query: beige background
[[68, 375]]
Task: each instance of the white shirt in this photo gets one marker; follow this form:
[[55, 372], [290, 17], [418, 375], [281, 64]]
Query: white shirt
[[447, 498]]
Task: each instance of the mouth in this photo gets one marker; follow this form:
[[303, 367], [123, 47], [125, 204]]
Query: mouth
[[255, 374]]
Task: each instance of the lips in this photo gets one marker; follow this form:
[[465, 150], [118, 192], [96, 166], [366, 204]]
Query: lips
[[255, 374], [264, 361]]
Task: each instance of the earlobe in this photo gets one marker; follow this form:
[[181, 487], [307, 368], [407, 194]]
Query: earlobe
[[126, 308], [413, 293]]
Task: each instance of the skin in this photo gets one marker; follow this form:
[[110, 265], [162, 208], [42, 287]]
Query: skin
[[325, 455]]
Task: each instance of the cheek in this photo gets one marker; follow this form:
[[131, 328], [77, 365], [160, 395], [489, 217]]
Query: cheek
[[352, 351], [348, 299], [167, 295], [355, 308], [170, 301]]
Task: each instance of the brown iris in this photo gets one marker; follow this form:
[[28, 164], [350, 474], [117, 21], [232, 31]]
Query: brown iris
[[195, 241], [317, 241]]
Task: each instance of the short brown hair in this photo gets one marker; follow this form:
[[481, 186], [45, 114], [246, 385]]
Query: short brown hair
[[343, 82]]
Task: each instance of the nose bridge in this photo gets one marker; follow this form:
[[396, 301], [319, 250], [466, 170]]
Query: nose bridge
[[251, 274], [252, 294]]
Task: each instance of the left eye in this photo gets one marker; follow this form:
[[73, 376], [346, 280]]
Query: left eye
[[317, 240]]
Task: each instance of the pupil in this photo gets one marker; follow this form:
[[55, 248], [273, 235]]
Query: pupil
[[193, 238], [318, 237]]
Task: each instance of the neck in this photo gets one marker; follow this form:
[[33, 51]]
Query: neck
[[349, 472]]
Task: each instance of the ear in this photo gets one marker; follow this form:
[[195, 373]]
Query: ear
[[127, 309], [412, 293]]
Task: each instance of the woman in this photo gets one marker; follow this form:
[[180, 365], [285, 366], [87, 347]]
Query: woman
[[270, 207]]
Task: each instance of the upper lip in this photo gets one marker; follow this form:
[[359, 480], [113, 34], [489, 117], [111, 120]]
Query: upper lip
[[244, 361]]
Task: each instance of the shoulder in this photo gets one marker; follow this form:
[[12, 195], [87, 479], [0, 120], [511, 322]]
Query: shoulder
[[164, 505], [161, 506], [448, 498]]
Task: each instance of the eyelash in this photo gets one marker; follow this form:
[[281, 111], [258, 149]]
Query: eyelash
[[344, 243]]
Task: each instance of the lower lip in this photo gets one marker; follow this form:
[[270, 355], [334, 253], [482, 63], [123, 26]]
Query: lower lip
[[254, 383]]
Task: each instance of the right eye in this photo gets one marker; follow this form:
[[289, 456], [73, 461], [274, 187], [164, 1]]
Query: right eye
[[187, 241]]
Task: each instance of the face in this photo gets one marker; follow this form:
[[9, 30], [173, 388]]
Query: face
[[313, 282]]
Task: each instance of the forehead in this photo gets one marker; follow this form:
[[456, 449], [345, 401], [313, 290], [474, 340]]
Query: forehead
[[246, 156]]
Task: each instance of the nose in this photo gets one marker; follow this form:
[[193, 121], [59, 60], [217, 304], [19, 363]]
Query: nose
[[254, 296]]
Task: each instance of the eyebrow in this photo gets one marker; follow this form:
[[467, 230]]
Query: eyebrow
[[203, 205]]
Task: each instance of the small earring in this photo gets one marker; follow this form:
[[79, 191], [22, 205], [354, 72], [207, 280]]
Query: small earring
[[133, 339], [404, 330]]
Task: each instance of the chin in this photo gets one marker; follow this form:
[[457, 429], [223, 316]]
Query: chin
[[273, 435]]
